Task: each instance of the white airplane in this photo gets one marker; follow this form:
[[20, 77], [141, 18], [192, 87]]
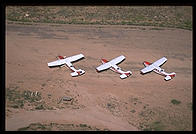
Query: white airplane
[[62, 61], [112, 65], [155, 67]]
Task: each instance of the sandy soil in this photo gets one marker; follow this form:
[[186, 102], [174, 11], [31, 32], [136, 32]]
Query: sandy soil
[[101, 99]]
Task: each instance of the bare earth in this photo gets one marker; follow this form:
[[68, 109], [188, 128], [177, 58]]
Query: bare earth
[[100, 100]]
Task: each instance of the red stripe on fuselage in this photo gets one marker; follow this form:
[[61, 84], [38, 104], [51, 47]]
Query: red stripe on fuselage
[[116, 70], [70, 68], [78, 72], [158, 72]]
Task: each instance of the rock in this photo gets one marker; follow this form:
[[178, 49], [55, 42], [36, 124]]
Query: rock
[[66, 98]]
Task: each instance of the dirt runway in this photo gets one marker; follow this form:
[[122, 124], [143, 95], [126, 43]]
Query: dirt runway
[[102, 100]]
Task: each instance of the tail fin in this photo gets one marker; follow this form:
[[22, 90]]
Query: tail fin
[[170, 76], [126, 74], [60, 57], [104, 61], [77, 72], [146, 63]]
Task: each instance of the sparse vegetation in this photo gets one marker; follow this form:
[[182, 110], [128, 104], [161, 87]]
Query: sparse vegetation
[[17, 99], [34, 126], [162, 16], [43, 84], [155, 28], [40, 107], [30, 96], [49, 96], [155, 126], [133, 111], [60, 127], [145, 117], [14, 96], [175, 102], [83, 125]]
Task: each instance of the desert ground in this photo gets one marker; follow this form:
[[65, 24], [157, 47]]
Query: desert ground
[[99, 101]]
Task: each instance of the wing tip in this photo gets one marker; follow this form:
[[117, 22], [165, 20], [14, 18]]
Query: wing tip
[[97, 70], [123, 56], [141, 72], [164, 57], [81, 55]]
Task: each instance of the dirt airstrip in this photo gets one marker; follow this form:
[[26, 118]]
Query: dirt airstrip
[[99, 101]]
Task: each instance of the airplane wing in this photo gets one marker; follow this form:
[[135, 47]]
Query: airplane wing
[[156, 65], [147, 69], [67, 60], [160, 62], [117, 60], [110, 63], [56, 63], [75, 57], [103, 66]]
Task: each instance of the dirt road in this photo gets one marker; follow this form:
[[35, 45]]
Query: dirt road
[[139, 102]]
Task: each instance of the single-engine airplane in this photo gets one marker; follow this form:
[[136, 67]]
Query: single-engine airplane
[[63, 60], [156, 68], [113, 66]]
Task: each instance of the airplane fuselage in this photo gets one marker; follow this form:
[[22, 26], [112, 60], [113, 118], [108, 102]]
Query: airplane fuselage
[[160, 71], [117, 69], [64, 62]]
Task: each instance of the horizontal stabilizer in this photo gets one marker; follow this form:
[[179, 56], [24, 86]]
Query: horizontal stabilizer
[[74, 74], [77, 73], [167, 77], [122, 76], [125, 74], [170, 76]]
